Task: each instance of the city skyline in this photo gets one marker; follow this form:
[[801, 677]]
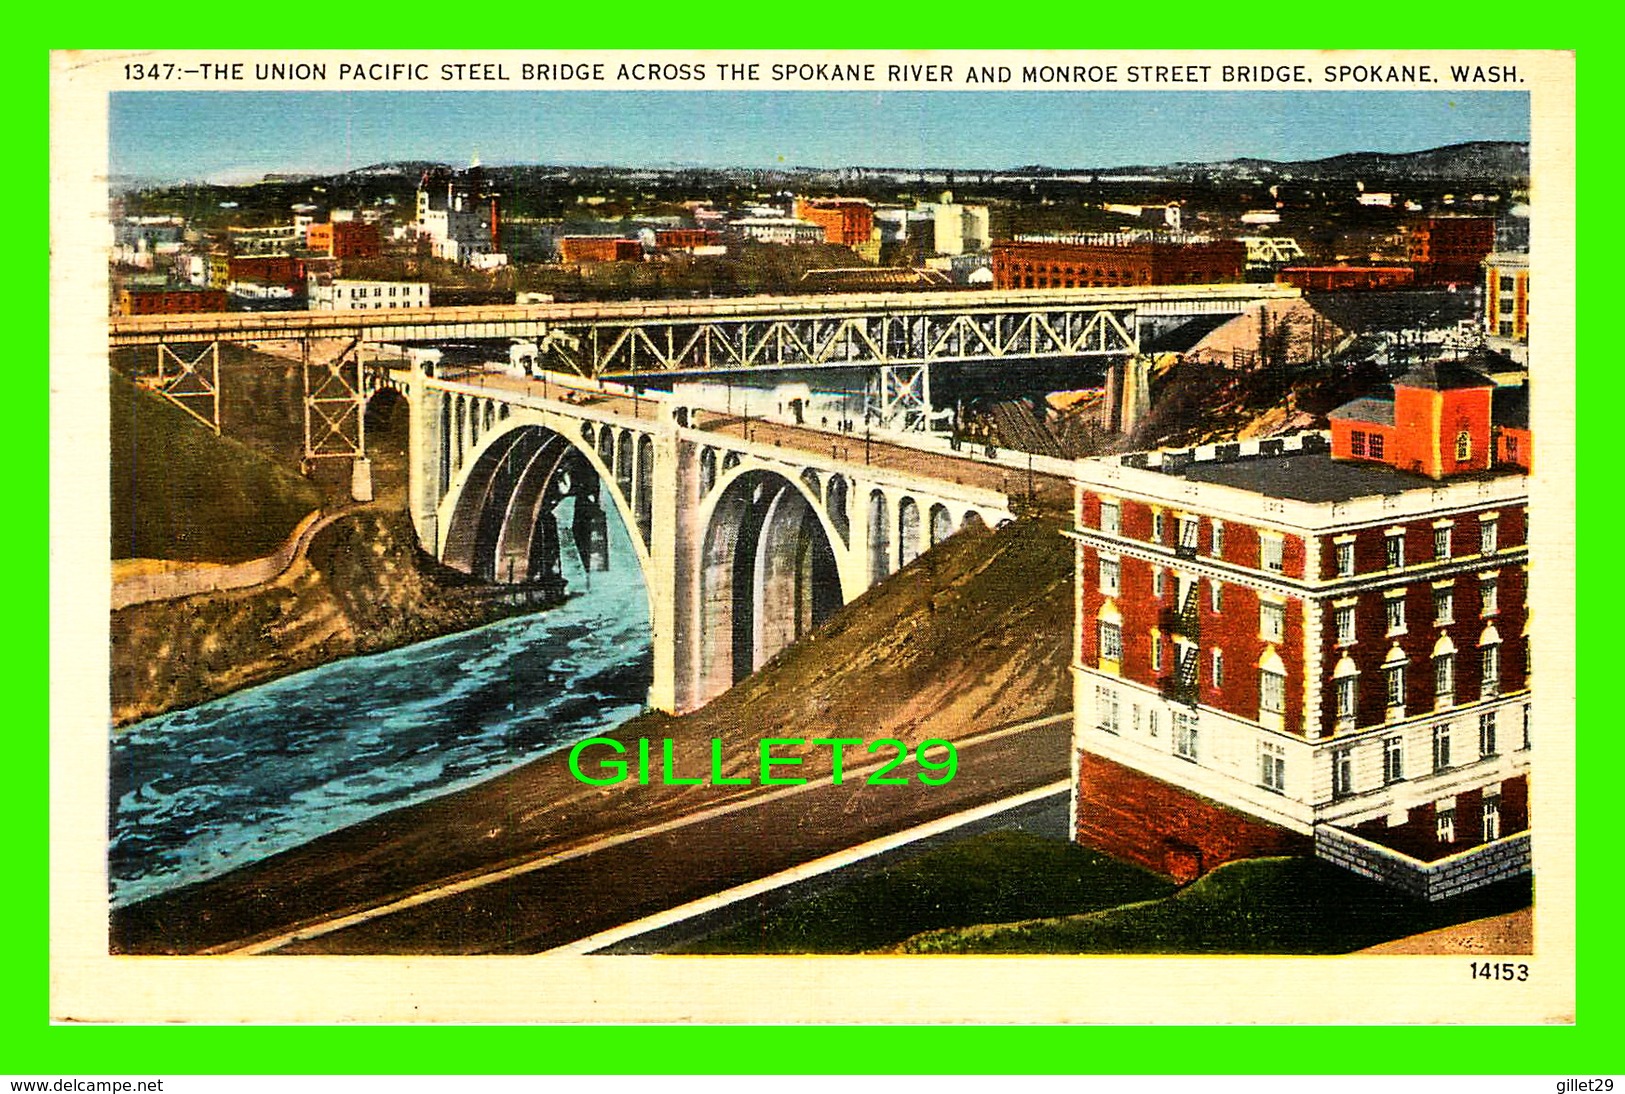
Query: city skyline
[[241, 136]]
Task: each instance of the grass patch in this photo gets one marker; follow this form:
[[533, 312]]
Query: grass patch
[[1280, 905], [998, 876], [180, 492]]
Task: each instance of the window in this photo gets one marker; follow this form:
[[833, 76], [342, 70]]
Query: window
[[1345, 559], [1342, 772], [1271, 621], [1512, 446], [1156, 583], [1488, 535], [1394, 678], [1269, 549], [1272, 767], [1218, 539], [1441, 747], [1134, 717], [1216, 596], [1357, 442], [1271, 692], [1441, 543], [1394, 545], [1108, 576], [1489, 595], [1374, 446], [1490, 670], [1394, 608], [1393, 760], [1507, 283], [1189, 530], [1343, 617], [1156, 652], [1185, 739], [1444, 677], [1444, 605], [1492, 819], [1151, 721], [1504, 328], [1446, 825], [1464, 446], [1110, 518], [1111, 642], [1217, 663], [1156, 526], [1526, 727], [1106, 709], [1345, 697], [1486, 733]]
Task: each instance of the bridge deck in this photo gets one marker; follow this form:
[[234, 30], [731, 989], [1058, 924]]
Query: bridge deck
[[1050, 492], [532, 320]]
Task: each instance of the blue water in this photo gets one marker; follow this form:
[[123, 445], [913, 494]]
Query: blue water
[[201, 791]]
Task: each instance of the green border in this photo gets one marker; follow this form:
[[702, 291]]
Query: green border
[[33, 1046]]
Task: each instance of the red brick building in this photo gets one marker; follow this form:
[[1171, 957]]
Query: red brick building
[[268, 269], [600, 249], [344, 239], [1450, 250], [682, 239], [847, 221], [1341, 278], [1274, 640], [170, 302], [1107, 260]]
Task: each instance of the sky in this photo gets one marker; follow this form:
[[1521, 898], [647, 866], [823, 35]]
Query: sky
[[239, 136]]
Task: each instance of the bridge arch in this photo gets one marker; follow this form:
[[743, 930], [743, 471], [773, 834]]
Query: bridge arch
[[495, 512], [769, 573], [942, 523], [908, 531], [880, 553]]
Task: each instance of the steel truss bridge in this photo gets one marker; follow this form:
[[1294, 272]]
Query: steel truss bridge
[[896, 337]]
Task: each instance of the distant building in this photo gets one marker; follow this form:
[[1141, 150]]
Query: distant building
[[600, 249], [267, 269], [780, 230], [170, 301], [275, 239], [960, 229], [846, 221], [1289, 644], [686, 239], [344, 239], [459, 212], [1449, 250], [1506, 299], [1341, 278], [339, 294], [1096, 261]]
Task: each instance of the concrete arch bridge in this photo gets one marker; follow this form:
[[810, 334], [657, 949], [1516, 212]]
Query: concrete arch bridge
[[747, 539]]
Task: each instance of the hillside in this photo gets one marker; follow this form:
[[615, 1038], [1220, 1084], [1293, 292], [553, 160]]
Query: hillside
[[180, 492]]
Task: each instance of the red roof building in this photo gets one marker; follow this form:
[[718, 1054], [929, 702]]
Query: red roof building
[[1289, 645]]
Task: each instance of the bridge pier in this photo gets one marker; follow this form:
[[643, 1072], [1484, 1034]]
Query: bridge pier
[[428, 476], [361, 479]]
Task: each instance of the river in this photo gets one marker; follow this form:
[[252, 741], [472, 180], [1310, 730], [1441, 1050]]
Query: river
[[198, 792]]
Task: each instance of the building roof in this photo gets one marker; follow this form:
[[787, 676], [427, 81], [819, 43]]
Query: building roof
[[1443, 376], [1374, 410], [1312, 477]]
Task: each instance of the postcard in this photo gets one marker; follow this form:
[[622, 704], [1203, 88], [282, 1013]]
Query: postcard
[[815, 537]]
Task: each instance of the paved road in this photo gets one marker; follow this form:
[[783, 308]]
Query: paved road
[[561, 897]]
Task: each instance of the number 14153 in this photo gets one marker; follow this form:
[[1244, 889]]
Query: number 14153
[[1504, 970]]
